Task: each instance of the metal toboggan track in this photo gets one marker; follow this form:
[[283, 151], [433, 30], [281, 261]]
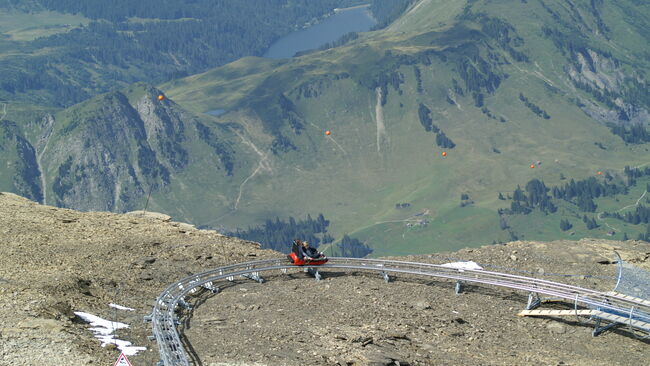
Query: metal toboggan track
[[631, 312]]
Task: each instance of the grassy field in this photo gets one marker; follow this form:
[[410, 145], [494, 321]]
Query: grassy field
[[356, 186], [357, 175], [22, 26], [378, 154], [540, 226]]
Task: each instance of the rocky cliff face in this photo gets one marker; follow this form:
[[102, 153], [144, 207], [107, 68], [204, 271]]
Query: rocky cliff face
[[109, 152], [19, 161], [105, 157], [617, 91]]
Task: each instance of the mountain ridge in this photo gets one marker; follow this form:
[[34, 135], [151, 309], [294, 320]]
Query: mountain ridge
[[498, 86]]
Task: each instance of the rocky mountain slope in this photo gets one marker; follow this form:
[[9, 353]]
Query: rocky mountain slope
[[57, 261], [117, 147], [109, 152]]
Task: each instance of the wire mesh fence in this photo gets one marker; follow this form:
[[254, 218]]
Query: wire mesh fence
[[632, 280]]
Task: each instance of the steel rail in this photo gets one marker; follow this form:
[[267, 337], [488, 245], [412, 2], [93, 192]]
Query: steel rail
[[171, 349]]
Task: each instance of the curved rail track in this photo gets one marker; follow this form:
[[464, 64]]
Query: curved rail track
[[634, 312]]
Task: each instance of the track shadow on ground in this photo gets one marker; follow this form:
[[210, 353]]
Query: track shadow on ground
[[584, 322]]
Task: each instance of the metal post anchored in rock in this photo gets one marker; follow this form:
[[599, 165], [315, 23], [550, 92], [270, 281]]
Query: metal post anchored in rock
[[459, 287], [255, 276], [146, 205], [534, 301], [386, 276], [314, 272]]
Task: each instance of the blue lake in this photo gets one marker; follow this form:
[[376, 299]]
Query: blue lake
[[329, 30]]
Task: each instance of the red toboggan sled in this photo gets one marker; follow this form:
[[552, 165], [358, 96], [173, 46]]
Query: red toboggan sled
[[309, 262]]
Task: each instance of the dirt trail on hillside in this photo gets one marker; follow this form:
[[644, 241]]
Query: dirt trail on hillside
[[262, 165], [600, 214], [382, 138]]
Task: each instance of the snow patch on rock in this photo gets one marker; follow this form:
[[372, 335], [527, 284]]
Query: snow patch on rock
[[120, 307], [463, 265], [104, 329]]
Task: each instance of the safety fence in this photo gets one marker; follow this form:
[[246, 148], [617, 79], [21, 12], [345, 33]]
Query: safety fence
[[631, 280]]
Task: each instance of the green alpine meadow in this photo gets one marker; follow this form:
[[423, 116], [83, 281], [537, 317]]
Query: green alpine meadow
[[450, 124]]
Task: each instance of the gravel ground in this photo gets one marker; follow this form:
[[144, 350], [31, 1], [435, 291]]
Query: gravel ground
[[57, 261], [354, 318]]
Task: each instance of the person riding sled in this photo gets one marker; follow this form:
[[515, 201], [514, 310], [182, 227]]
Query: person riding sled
[[297, 250], [310, 253], [302, 253]]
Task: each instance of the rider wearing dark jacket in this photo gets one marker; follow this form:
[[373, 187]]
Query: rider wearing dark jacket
[[309, 252], [297, 248]]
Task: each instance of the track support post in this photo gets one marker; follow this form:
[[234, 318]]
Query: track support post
[[184, 303], [386, 276], [598, 329], [211, 287], [314, 272], [255, 276], [459, 287], [533, 301]]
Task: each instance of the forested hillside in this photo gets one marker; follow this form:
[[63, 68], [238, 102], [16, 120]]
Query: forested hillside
[[614, 203], [121, 42], [279, 235]]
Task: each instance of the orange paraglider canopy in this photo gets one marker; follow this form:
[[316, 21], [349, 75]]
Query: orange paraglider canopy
[[444, 153], [328, 133], [161, 97]]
